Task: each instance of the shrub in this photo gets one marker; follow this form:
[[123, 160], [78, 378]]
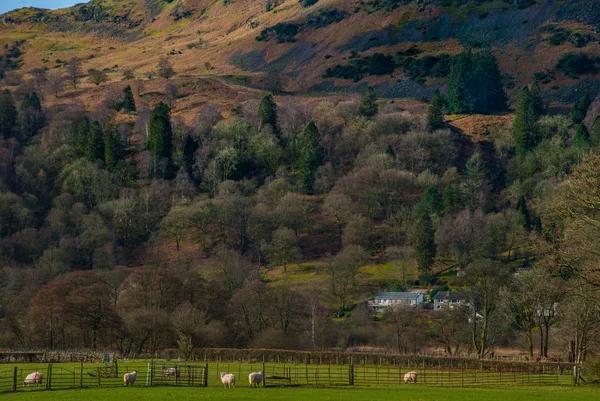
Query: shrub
[[352, 72], [308, 3], [381, 64], [574, 65], [325, 17], [282, 32]]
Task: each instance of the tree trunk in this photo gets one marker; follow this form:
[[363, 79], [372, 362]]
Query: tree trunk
[[541, 327], [546, 339], [530, 342]]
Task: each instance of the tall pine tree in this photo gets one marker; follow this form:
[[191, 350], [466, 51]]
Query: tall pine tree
[[523, 211], [582, 139], [311, 157], [538, 102], [160, 140], [94, 143], [32, 118], [128, 102], [485, 84], [580, 109], [525, 129], [435, 112], [425, 248], [475, 84], [267, 113], [113, 151], [82, 129], [460, 100], [8, 114], [368, 104]]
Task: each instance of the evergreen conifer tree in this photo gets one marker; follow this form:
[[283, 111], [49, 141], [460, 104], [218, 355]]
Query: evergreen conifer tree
[[525, 129], [390, 151], [435, 112], [113, 151], [538, 102], [267, 113], [8, 114], [580, 109], [311, 157], [432, 201], [368, 105], [94, 143], [32, 119], [425, 248], [128, 102], [160, 140], [82, 129], [459, 98], [486, 84], [582, 137], [524, 216], [450, 199]]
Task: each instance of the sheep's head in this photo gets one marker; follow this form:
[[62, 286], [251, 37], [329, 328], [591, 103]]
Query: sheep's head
[[223, 374]]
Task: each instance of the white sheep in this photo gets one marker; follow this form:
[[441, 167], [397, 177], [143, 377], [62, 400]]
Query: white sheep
[[33, 378], [169, 372], [410, 377], [130, 378], [255, 378], [228, 379]]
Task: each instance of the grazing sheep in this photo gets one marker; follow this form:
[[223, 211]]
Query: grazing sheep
[[130, 378], [169, 372], [255, 378], [33, 378], [410, 377], [228, 379]]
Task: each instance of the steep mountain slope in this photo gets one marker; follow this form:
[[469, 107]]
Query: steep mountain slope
[[401, 47]]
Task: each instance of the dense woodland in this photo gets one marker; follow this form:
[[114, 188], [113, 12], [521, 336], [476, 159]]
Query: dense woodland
[[96, 207]]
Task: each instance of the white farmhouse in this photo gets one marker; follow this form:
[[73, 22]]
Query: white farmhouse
[[382, 300]]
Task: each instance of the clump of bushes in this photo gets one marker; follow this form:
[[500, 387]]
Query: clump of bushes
[[308, 3], [574, 65], [286, 32], [325, 17], [427, 66], [377, 64], [282, 32]]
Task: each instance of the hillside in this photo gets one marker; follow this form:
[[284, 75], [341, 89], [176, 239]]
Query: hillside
[[293, 47], [240, 173]]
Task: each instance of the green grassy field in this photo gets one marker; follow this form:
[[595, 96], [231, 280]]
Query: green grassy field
[[407, 393], [67, 375]]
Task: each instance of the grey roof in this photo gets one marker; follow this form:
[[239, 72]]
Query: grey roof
[[440, 295], [452, 296], [401, 296]]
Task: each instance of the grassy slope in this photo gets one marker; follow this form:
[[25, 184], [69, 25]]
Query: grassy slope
[[216, 32], [407, 393]]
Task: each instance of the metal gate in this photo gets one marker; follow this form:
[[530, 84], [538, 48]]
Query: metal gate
[[160, 374]]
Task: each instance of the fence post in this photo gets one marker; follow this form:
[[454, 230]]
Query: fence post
[[205, 378], [81, 374], [264, 372], [98, 374], [49, 377], [351, 374], [14, 383]]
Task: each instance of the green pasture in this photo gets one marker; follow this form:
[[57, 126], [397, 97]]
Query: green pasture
[[404, 393], [73, 375]]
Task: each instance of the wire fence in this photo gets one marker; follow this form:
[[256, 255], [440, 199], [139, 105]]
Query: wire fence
[[164, 373], [80, 375]]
